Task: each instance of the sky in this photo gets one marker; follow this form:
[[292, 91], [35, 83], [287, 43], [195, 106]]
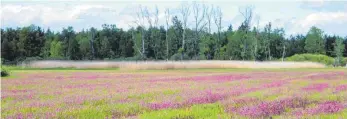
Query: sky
[[296, 17]]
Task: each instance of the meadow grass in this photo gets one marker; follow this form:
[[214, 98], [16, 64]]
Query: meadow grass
[[167, 94], [206, 111]]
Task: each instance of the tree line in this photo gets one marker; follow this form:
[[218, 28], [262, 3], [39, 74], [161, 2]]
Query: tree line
[[177, 39]]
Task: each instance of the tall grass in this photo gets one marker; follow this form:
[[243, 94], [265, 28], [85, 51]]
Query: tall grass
[[144, 65]]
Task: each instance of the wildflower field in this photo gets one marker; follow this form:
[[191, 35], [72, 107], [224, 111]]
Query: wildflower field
[[177, 94]]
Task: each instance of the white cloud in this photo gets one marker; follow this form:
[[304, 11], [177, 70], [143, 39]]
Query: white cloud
[[18, 13], [43, 15], [321, 18], [57, 15], [331, 22]]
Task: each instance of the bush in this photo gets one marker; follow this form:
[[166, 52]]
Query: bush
[[135, 58], [177, 56], [4, 72], [312, 57], [55, 58], [344, 61]]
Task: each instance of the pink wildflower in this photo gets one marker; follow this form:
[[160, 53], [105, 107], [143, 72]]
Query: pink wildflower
[[341, 88], [316, 87], [163, 105]]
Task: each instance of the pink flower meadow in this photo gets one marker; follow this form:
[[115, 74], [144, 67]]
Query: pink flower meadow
[[124, 94]]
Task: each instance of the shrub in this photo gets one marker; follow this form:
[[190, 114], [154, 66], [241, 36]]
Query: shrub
[[55, 58], [177, 56], [313, 58], [4, 72], [134, 58], [344, 61]]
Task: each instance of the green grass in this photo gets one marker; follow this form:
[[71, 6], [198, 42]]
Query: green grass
[[126, 109], [170, 92], [47, 97], [5, 102], [85, 113], [340, 115], [101, 110], [152, 95], [255, 94], [205, 111], [142, 96]]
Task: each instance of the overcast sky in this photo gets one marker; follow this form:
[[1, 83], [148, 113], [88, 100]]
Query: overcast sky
[[294, 16]]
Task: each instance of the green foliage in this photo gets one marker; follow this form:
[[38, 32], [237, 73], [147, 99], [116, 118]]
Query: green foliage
[[314, 42], [29, 59], [205, 111], [295, 45], [339, 48], [149, 43], [312, 57], [234, 46], [73, 50], [207, 46], [56, 49], [178, 56], [4, 72]]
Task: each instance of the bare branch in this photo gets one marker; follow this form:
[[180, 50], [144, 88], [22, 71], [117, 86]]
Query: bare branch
[[248, 15], [218, 17], [156, 14], [199, 17], [209, 12], [185, 12], [148, 15], [167, 16]]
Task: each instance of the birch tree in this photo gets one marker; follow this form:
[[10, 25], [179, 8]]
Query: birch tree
[[140, 21], [247, 15], [218, 22], [199, 11], [185, 12], [209, 12], [167, 19]]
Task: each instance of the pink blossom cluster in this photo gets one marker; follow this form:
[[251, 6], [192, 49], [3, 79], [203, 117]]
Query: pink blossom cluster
[[325, 108], [75, 100], [275, 84], [295, 102], [264, 109], [341, 88], [163, 105], [23, 116], [42, 104], [316, 87], [85, 86], [208, 97], [329, 107], [228, 77], [329, 76], [237, 92], [17, 91]]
